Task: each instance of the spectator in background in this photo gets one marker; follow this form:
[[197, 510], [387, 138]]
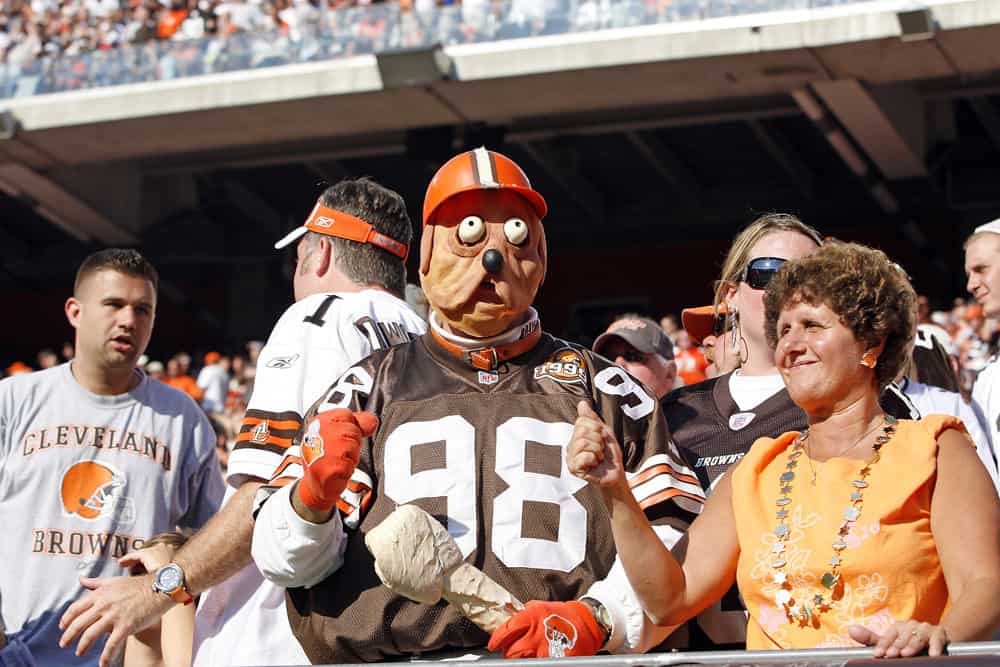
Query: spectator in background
[[154, 369], [67, 351], [982, 266], [141, 461], [669, 325], [213, 380], [18, 368], [691, 362], [638, 345], [178, 379], [47, 359]]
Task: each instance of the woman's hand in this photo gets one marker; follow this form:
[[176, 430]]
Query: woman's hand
[[152, 558], [593, 453], [903, 639]]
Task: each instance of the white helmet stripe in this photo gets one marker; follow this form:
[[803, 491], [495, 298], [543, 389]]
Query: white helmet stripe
[[485, 170]]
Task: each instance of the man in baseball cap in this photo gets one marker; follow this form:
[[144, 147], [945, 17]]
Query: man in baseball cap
[[639, 345]]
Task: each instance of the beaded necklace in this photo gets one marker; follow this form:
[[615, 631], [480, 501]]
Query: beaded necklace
[[805, 611]]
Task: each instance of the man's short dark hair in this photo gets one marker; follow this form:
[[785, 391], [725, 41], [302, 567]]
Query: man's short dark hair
[[384, 210], [123, 260]]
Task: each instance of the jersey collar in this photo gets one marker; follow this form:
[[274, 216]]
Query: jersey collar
[[487, 354]]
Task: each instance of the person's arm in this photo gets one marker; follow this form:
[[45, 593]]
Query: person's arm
[[122, 606], [670, 588], [965, 522], [177, 636]]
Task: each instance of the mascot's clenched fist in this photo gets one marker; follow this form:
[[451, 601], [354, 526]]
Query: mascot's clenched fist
[[330, 449]]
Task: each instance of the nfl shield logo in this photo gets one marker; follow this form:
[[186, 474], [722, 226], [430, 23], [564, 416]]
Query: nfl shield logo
[[488, 377], [740, 419]]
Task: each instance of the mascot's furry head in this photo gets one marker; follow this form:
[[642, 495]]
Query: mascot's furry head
[[482, 254]]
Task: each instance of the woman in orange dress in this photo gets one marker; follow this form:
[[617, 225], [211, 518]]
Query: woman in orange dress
[[859, 530]]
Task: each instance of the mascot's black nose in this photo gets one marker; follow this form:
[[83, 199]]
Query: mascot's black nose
[[493, 261]]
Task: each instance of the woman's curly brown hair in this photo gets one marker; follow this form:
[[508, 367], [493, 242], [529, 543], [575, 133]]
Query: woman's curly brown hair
[[871, 295]]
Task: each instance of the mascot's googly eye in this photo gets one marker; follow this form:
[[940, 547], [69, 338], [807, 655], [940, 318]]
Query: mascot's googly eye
[[516, 231], [471, 229]]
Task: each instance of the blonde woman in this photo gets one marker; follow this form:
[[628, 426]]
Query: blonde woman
[[714, 422]]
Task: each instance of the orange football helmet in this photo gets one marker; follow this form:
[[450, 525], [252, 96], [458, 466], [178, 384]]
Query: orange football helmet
[[92, 490], [479, 169]]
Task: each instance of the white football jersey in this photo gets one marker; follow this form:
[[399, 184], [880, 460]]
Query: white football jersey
[[313, 343]]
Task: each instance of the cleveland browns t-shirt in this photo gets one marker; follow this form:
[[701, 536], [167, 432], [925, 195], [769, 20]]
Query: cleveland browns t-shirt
[[484, 452], [84, 479]]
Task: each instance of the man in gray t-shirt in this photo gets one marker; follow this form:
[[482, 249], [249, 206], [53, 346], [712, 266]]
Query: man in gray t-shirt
[[95, 458]]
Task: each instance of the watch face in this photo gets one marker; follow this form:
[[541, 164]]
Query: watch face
[[169, 578]]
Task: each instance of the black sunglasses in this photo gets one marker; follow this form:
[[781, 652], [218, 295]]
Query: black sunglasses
[[760, 271]]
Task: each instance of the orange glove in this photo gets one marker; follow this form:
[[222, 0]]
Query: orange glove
[[549, 630], [330, 447]]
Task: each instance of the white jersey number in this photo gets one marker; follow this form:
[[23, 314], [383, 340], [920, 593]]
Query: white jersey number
[[625, 386], [457, 482]]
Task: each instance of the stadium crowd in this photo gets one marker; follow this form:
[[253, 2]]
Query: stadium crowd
[[59, 45]]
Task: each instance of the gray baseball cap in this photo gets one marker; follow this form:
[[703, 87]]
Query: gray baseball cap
[[641, 333]]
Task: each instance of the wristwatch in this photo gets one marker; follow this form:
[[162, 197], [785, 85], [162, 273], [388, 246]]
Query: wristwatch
[[602, 616], [169, 580]]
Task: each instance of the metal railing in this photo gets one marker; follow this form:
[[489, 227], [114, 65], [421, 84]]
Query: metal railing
[[320, 35], [820, 657]]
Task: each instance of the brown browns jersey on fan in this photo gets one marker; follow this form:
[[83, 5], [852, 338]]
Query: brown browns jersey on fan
[[485, 454]]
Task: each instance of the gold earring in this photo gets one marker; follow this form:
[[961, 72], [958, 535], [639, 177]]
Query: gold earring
[[868, 360]]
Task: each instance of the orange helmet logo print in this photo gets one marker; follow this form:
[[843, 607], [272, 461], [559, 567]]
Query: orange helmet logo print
[[561, 635], [93, 490], [312, 443]]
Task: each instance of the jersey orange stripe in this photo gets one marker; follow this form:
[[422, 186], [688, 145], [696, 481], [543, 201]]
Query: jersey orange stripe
[[281, 481], [650, 473], [345, 507], [285, 464], [358, 487], [667, 494], [289, 424]]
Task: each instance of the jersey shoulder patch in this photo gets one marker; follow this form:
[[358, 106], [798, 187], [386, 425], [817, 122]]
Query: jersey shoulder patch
[[566, 366]]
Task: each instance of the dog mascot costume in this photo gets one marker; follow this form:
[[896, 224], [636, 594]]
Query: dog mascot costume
[[473, 419]]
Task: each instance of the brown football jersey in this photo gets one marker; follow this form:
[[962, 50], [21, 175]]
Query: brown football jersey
[[484, 452]]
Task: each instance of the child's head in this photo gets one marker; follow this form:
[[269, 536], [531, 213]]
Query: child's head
[[170, 539]]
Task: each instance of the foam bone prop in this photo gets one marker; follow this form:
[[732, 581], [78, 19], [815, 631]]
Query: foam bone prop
[[417, 558]]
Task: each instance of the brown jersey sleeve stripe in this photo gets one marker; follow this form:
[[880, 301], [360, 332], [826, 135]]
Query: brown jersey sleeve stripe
[[667, 494], [272, 424], [650, 473], [288, 415], [272, 440]]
